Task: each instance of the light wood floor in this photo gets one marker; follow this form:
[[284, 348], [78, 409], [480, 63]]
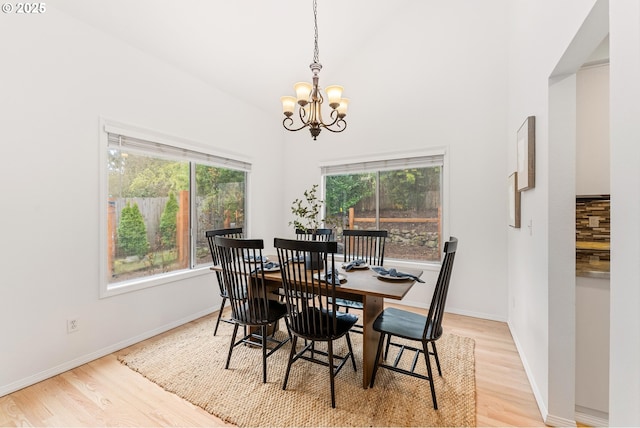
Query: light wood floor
[[107, 393]]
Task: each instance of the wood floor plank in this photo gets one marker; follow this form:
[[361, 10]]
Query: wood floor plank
[[104, 392]]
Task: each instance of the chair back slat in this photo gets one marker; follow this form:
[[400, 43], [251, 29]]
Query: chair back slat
[[235, 232], [367, 245], [243, 278], [321, 234], [309, 298], [433, 327]]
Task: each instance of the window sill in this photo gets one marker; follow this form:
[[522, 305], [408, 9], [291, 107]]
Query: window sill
[[424, 265], [110, 290]]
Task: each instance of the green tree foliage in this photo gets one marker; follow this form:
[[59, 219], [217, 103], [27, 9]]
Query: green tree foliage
[[345, 191], [132, 232], [221, 190], [168, 222], [405, 188], [209, 178], [158, 178], [132, 175]]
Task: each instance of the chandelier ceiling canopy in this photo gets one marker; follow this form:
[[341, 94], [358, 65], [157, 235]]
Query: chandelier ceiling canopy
[[309, 99]]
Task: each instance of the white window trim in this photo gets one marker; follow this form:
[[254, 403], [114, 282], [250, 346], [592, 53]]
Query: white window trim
[[216, 158], [394, 161]]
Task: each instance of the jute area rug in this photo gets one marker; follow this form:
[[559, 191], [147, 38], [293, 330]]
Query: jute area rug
[[189, 361]]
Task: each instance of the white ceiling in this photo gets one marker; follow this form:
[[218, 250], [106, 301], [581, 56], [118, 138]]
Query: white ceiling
[[253, 49]]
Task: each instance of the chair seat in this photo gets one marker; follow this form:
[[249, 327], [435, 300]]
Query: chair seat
[[322, 323], [408, 325], [275, 311]]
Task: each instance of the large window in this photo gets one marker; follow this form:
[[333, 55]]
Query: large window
[[161, 198], [403, 196]]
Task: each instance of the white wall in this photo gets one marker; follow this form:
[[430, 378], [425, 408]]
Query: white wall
[[434, 76], [61, 77], [592, 144], [624, 389], [592, 347]]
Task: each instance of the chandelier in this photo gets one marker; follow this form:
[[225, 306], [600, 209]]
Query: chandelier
[[309, 99]]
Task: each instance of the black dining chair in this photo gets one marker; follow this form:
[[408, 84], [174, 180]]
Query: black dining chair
[[313, 319], [321, 234], [235, 232], [393, 322], [243, 277], [361, 248]]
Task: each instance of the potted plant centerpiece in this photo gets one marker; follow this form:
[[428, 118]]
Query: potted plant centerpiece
[[307, 213]]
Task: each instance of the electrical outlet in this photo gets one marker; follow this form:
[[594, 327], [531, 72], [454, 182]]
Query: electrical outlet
[[594, 221], [73, 325]]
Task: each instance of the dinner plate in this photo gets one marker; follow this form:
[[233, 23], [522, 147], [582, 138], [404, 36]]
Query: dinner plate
[[321, 277], [275, 267], [392, 278], [360, 266]]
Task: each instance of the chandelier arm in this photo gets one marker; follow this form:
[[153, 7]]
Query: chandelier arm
[[335, 117], [284, 123], [303, 114], [340, 123]]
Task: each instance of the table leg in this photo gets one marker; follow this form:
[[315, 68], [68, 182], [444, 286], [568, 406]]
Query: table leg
[[373, 306]]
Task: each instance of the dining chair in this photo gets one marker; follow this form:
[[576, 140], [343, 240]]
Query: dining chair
[[361, 247], [321, 234], [235, 232], [243, 277], [393, 322], [313, 319]]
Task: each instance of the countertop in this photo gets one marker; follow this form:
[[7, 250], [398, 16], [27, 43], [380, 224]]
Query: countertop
[[593, 267]]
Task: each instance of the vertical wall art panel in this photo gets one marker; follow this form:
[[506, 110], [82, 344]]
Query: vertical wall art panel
[[514, 201], [527, 154]]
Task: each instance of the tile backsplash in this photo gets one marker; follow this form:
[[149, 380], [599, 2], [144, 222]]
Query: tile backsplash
[[593, 231], [593, 219]]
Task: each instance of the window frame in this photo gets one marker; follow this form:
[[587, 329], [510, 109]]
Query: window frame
[[394, 161], [181, 149]]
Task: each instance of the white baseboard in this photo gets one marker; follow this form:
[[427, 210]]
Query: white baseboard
[[76, 362], [593, 418], [555, 421], [423, 305], [542, 407], [473, 314]]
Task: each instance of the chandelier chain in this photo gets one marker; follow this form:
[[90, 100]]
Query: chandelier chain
[[309, 98], [315, 20]]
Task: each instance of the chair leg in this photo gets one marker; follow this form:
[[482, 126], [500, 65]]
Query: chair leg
[[263, 328], [435, 354], [233, 340], [386, 349], [377, 360], [291, 355], [331, 373], [215, 330], [428, 360], [353, 360]]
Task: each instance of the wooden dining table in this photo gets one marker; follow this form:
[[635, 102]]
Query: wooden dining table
[[362, 285]]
